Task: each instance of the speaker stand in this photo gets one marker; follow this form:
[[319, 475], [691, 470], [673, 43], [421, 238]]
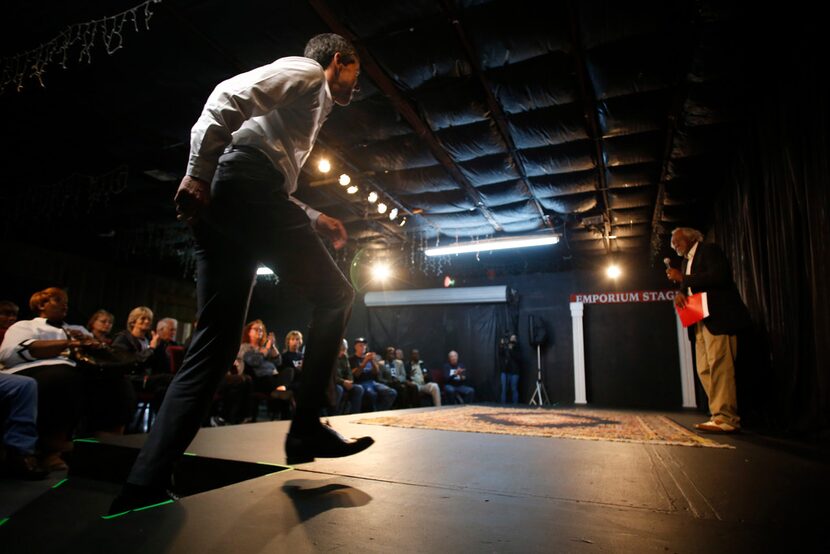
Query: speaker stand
[[540, 396]]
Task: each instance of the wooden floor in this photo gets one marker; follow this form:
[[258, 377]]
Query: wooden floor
[[438, 491]]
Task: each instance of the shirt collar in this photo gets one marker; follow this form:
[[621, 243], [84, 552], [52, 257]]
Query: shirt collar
[[691, 253]]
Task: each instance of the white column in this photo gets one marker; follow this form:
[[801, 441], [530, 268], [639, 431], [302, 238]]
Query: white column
[[687, 368], [580, 397]]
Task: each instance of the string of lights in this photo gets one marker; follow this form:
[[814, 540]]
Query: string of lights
[[16, 69]]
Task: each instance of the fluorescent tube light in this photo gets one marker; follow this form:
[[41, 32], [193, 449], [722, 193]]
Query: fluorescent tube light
[[492, 244]]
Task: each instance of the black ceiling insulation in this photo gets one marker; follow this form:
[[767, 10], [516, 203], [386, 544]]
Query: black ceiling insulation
[[533, 117], [646, 65]]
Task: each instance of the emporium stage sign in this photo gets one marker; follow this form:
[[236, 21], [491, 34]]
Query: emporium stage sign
[[623, 297]]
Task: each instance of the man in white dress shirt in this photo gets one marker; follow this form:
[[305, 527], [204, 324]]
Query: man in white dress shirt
[[246, 151]]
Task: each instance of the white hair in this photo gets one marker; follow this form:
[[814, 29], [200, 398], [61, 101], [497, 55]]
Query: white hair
[[165, 322], [689, 233]]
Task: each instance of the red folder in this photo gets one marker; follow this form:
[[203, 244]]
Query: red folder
[[694, 311]]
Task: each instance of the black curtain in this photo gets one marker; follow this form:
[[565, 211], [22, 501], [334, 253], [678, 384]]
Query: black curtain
[[772, 220], [473, 330]]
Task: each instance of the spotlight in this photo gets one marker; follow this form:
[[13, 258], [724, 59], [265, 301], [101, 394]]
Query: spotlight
[[262, 270], [352, 189], [373, 197], [381, 272], [382, 208], [613, 271], [324, 165], [393, 215], [403, 222], [344, 180]]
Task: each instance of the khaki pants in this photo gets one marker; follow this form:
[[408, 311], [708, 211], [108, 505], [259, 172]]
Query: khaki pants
[[715, 357]]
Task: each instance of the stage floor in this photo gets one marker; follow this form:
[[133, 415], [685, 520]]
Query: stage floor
[[421, 490]]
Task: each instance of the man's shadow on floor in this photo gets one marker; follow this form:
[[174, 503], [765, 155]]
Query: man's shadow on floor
[[310, 501]]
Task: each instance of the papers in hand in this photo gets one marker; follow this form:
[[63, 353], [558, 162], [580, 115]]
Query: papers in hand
[[697, 309]]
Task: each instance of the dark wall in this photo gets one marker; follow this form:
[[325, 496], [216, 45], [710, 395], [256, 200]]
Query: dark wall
[[91, 285], [773, 221], [631, 355], [631, 349], [471, 330]]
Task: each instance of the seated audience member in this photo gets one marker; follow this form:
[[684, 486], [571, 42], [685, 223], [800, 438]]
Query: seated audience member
[[100, 325], [393, 374], [413, 396], [38, 348], [8, 315], [166, 329], [366, 371], [292, 356], [258, 357], [455, 375], [152, 370], [18, 408], [418, 374], [344, 383], [234, 394]]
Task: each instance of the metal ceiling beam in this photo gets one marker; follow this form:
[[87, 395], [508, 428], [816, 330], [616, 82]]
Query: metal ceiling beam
[[673, 123], [591, 112], [371, 68], [496, 113]]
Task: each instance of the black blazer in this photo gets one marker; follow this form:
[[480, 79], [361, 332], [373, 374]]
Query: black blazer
[[711, 273]]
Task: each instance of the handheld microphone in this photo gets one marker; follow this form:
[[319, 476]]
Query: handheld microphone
[[667, 263]]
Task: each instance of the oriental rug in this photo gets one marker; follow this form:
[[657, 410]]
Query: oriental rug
[[560, 423]]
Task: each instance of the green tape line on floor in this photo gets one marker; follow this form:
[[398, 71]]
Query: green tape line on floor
[[113, 516], [4, 520], [59, 483], [153, 505]]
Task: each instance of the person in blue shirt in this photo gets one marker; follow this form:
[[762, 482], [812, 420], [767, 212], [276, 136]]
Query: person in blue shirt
[[366, 372]]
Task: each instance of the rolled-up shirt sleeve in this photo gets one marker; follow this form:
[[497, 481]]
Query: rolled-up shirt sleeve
[[240, 98], [15, 347]]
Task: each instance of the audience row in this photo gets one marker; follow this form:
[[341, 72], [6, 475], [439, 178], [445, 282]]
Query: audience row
[[60, 381]]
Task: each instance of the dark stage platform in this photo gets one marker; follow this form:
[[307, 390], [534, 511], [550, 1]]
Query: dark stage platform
[[438, 491]]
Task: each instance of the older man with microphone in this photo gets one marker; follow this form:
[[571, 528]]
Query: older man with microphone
[[706, 270]]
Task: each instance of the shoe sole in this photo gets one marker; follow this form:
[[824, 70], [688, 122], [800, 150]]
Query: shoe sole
[[295, 459]]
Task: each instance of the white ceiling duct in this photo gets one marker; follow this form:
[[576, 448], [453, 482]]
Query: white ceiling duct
[[423, 297]]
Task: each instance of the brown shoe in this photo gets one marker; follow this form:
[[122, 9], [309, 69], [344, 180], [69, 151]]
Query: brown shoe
[[716, 426]]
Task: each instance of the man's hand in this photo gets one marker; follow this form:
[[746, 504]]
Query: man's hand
[[674, 275], [332, 229], [680, 300], [192, 199], [348, 385]]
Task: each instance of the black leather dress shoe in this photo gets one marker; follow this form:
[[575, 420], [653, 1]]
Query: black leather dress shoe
[[322, 442], [133, 497]]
